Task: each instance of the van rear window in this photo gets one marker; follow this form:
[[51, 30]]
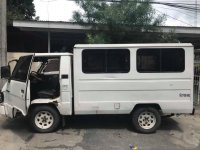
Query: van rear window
[[106, 61], [160, 60]]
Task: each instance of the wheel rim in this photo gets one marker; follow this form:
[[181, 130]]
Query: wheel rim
[[44, 119], [147, 120]]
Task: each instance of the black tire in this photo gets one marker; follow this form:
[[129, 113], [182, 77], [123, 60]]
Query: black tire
[[155, 123], [51, 115]]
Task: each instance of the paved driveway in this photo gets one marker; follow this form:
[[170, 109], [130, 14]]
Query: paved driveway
[[102, 133]]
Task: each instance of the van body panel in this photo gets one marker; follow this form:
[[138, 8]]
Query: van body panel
[[99, 93]]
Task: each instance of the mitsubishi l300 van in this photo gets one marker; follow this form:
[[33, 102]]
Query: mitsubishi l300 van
[[145, 81]]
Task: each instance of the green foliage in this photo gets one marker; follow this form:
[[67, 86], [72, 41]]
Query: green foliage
[[20, 10], [124, 21], [168, 37], [97, 38]]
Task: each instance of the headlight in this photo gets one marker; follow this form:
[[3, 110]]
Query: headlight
[[1, 97]]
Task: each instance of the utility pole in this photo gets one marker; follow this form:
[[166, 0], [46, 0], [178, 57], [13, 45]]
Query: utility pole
[[3, 36]]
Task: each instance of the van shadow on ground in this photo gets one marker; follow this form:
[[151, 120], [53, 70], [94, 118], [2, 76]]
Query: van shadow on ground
[[113, 122], [169, 124], [20, 125]]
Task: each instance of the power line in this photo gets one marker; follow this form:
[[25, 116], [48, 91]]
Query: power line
[[174, 18], [176, 11], [195, 20], [178, 5], [48, 0], [181, 5]]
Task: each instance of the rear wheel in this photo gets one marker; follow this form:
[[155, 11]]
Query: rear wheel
[[44, 119], [146, 119]]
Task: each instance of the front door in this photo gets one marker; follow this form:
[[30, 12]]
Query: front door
[[17, 87]]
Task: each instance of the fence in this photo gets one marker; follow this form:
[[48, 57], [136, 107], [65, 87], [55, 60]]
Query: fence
[[196, 83]]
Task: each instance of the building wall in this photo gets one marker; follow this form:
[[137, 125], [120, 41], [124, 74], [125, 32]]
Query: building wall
[[37, 41]]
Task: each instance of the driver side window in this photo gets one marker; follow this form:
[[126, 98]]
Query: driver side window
[[21, 69]]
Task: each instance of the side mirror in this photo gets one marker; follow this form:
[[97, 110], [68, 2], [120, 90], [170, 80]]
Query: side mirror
[[5, 72]]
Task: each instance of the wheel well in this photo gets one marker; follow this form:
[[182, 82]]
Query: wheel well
[[46, 104], [156, 106]]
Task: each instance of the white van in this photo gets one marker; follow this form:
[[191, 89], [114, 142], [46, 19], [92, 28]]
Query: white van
[[143, 80]]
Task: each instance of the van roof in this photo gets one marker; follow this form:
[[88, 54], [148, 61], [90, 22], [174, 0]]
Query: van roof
[[133, 45], [118, 46], [53, 54]]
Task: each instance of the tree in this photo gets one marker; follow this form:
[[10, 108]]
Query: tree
[[122, 21], [20, 10]]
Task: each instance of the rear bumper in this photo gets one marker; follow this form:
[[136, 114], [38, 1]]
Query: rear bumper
[[2, 110]]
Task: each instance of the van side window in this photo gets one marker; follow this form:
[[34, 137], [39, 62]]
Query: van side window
[[106, 61], [160, 60], [52, 65], [93, 61]]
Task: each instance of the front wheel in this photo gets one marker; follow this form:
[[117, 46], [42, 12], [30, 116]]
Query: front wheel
[[44, 119], [146, 119]]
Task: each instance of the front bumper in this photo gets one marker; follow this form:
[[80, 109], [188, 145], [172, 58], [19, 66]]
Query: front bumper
[[2, 110]]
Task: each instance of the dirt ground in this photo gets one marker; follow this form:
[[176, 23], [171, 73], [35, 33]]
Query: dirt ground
[[102, 133]]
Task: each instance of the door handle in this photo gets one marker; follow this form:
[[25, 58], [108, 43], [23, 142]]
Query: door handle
[[64, 76], [7, 91], [22, 91]]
